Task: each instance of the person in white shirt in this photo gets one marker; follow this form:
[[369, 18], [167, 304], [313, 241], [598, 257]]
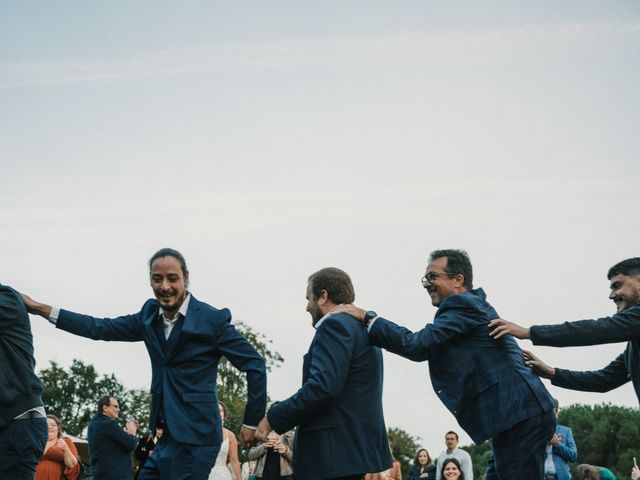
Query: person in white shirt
[[452, 451]]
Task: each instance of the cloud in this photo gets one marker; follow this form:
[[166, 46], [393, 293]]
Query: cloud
[[417, 48]]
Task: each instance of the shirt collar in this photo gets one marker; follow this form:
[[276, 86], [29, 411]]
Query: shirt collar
[[182, 311], [317, 325]]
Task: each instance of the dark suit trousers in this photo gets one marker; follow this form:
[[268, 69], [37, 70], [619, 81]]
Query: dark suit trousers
[[519, 452], [172, 460], [21, 445]]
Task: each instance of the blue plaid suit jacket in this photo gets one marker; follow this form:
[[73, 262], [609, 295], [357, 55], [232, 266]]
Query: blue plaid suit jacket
[[483, 382]]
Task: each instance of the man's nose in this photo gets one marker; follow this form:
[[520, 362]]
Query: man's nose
[[612, 295]]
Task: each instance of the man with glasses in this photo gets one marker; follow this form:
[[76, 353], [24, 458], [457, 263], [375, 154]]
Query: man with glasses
[[110, 446], [485, 385]]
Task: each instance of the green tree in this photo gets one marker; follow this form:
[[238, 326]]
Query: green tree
[[480, 455], [72, 394], [606, 435], [404, 447]]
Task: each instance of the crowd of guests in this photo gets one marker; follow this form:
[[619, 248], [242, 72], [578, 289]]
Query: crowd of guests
[[272, 459]]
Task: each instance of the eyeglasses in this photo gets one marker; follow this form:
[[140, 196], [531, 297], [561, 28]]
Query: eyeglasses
[[430, 277]]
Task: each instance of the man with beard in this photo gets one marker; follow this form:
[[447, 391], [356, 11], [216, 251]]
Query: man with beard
[[484, 384], [338, 410], [624, 280], [185, 339]]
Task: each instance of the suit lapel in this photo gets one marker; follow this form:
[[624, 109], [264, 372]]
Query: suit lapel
[[183, 328], [154, 334]]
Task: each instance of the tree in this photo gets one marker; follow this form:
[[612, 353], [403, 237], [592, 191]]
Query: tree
[[404, 447], [72, 394], [480, 455], [606, 435]]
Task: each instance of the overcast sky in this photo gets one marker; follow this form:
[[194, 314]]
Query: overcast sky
[[266, 140]]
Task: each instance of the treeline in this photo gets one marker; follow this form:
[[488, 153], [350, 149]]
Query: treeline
[[606, 436]]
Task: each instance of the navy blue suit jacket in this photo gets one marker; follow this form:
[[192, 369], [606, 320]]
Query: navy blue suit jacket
[[623, 326], [110, 449], [338, 409], [185, 371], [483, 382], [563, 452]]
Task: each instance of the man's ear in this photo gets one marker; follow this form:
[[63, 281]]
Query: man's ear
[[323, 297]]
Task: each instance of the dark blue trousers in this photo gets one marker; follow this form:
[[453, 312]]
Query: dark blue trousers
[[21, 445], [171, 460], [518, 453]]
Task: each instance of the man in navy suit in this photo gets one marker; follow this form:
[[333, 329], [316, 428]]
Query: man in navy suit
[[338, 410], [110, 446], [185, 339], [485, 385], [23, 420]]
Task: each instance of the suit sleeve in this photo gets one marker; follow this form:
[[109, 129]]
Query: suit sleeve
[[612, 376], [120, 437], [456, 317], [567, 449], [331, 352], [621, 327], [245, 358], [127, 328]]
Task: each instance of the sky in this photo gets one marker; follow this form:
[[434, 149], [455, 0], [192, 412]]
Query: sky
[[267, 140]]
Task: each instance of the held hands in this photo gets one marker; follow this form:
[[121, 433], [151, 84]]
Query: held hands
[[264, 428], [499, 328], [541, 368], [635, 473], [555, 439], [247, 437], [350, 309]]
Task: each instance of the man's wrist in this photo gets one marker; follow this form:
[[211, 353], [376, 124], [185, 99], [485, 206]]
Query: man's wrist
[[250, 427]]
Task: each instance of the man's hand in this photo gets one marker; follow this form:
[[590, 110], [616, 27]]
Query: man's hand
[[264, 428], [555, 439], [247, 437], [132, 427], [350, 309], [541, 368], [36, 308], [500, 328]]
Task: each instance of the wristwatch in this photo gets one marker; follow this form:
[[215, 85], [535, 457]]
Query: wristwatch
[[368, 316]]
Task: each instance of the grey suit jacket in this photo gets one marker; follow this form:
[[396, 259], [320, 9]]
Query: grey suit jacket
[[623, 326]]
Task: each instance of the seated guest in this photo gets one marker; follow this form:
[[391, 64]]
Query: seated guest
[[60, 457], [591, 472], [423, 466]]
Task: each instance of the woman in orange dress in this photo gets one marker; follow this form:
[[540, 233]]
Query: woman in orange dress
[[60, 457]]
